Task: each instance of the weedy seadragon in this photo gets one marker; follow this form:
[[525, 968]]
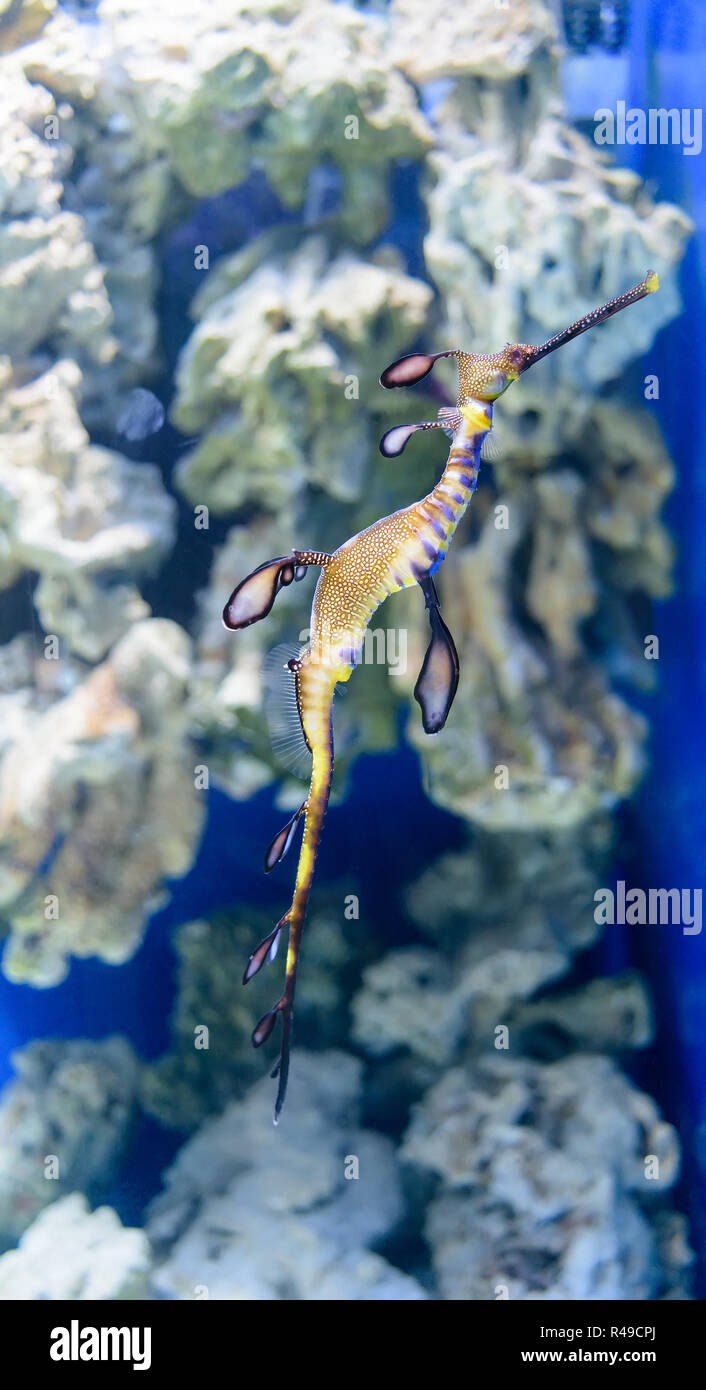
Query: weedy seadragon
[[395, 553]]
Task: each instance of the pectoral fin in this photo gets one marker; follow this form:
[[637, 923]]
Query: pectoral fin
[[438, 678], [255, 595], [276, 851]]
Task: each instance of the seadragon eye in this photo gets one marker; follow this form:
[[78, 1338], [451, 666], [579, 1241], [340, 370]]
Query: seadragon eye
[[515, 356]]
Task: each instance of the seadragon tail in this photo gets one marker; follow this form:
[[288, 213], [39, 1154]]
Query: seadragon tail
[[314, 811]]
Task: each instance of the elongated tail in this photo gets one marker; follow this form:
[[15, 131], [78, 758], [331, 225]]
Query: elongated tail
[[314, 812]]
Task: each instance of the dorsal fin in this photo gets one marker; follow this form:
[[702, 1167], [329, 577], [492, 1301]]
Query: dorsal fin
[[281, 710], [449, 419], [491, 449]]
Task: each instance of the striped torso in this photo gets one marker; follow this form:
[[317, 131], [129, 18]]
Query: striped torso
[[393, 554]]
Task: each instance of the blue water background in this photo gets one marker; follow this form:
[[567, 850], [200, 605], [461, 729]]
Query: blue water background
[[668, 60]]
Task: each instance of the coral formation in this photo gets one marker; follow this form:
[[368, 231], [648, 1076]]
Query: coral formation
[[545, 1173], [76, 515], [65, 1121], [53, 299], [270, 370], [101, 778], [245, 1219], [100, 1259], [475, 41], [507, 916]]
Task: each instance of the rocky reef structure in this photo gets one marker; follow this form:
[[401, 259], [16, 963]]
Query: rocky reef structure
[[497, 941], [100, 1259], [75, 513], [122, 133], [545, 1173], [65, 1122], [97, 780], [278, 354], [567, 1200], [241, 1218]]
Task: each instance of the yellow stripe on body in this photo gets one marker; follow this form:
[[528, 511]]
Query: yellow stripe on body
[[316, 685]]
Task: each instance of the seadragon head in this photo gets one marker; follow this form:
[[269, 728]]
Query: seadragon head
[[483, 376]]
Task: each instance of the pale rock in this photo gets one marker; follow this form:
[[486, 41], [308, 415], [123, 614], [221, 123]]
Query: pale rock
[[98, 806], [72, 1253], [65, 1120]]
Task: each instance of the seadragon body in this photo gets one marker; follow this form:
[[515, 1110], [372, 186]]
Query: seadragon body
[[394, 553]]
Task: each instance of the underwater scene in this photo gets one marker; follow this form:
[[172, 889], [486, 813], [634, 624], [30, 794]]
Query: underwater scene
[[298, 300]]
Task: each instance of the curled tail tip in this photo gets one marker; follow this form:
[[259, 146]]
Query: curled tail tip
[[280, 1070], [261, 1032], [279, 1103]]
